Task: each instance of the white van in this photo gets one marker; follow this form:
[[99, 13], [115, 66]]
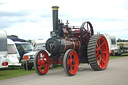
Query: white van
[[113, 48], [13, 54], [3, 49]]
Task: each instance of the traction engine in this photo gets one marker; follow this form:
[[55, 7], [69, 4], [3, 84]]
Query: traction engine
[[71, 46]]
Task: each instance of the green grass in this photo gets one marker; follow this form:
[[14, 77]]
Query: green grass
[[18, 71], [113, 57], [14, 72], [10, 72], [123, 55]]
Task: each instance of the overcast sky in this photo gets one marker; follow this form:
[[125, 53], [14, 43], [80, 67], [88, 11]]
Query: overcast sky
[[32, 19]]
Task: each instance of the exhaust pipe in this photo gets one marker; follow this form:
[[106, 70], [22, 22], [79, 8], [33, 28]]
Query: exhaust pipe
[[55, 17]]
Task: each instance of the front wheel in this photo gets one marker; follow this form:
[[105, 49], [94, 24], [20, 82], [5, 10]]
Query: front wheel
[[70, 62], [41, 62]]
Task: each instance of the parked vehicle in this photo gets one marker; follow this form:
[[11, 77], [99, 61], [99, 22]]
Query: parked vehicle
[[3, 49], [23, 47], [13, 54], [113, 48], [29, 57], [123, 46], [37, 41]]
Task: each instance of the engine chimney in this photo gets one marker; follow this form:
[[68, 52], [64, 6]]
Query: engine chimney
[[55, 18]]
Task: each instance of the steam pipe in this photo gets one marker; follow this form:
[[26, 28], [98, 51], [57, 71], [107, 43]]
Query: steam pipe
[[55, 17]]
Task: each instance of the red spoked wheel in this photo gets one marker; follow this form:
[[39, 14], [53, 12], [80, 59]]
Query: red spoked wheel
[[41, 62], [98, 52], [70, 62]]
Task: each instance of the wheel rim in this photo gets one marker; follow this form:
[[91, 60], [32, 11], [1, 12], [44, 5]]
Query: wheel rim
[[72, 62], [42, 62], [102, 52]]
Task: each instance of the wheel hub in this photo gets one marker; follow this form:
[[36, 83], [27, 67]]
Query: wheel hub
[[100, 52]]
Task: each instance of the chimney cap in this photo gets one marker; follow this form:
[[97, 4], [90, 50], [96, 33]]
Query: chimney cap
[[55, 7]]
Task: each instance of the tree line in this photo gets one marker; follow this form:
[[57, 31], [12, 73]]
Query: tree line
[[121, 40]]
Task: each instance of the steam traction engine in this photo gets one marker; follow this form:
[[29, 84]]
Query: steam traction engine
[[70, 46]]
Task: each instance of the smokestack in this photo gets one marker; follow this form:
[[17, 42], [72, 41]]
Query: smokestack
[[55, 17]]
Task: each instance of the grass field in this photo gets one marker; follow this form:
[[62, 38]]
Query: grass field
[[19, 71], [14, 72], [123, 55]]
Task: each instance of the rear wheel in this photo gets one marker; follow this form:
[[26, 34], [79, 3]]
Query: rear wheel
[[70, 62], [41, 62], [98, 52]]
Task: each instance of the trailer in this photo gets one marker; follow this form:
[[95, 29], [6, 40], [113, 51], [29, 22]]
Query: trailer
[[3, 49], [123, 47], [13, 54]]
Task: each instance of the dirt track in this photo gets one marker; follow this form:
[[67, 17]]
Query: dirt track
[[115, 74]]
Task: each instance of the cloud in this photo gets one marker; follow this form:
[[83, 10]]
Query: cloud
[[2, 3], [33, 19], [30, 30], [15, 14]]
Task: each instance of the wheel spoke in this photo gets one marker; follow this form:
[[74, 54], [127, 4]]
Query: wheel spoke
[[84, 30], [97, 46], [70, 56], [97, 54], [38, 62], [40, 67], [98, 57], [68, 62], [102, 60], [104, 52], [102, 45], [97, 49], [85, 35]]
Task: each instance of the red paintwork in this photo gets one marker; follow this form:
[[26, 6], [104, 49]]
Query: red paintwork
[[72, 43], [71, 32], [42, 62], [102, 58], [56, 61], [72, 67]]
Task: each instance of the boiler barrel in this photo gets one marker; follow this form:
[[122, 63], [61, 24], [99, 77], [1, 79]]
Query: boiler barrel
[[57, 46]]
